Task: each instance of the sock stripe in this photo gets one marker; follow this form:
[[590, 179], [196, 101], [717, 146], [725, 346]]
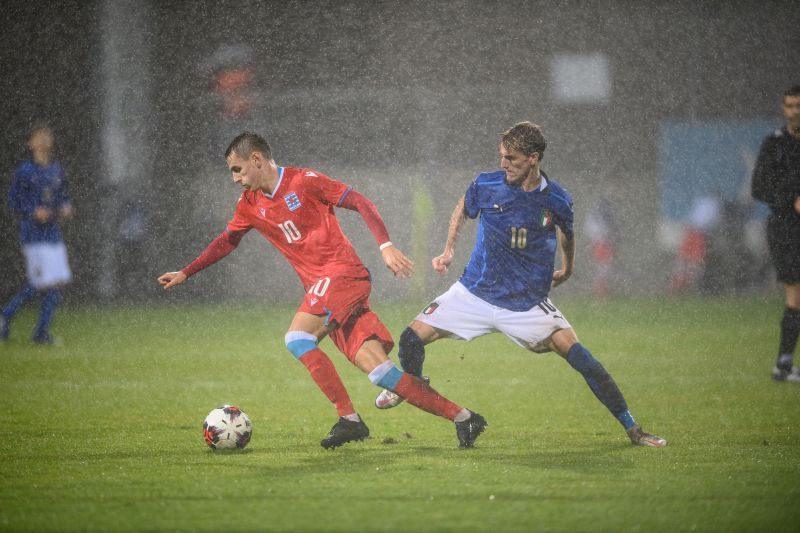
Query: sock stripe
[[391, 379], [300, 343]]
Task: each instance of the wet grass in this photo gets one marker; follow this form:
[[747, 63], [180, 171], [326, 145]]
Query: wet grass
[[104, 433]]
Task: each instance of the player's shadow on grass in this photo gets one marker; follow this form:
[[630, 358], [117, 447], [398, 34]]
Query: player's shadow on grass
[[234, 451], [599, 460], [370, 457], [591, 459], [357, 457], [404, 450]]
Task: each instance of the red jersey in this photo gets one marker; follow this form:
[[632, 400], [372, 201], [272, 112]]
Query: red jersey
[[298, 219]]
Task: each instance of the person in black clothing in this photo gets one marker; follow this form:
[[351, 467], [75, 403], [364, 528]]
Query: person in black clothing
[[776, 182]]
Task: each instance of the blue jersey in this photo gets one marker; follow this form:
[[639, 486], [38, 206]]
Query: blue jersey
[[514, 256], [38, 186]]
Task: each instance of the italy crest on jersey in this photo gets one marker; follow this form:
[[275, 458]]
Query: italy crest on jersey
[[292, 201], [546, 218], [431, 308]]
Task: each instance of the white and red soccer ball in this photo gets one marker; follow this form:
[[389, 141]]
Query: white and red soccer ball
[[227, 428]]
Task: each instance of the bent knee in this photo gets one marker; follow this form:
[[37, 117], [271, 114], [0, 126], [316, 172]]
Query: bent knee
[[424, 332], [411, 339], [562, 341], [300, 342]]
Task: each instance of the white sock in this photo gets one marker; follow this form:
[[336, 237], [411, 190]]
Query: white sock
[[462, 415], [353, 418]]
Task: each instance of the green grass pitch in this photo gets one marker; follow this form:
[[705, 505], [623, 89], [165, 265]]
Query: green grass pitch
[[104, 433]]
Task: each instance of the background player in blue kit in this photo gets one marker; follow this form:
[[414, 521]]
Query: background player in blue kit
[[38, 195], [524, 216]]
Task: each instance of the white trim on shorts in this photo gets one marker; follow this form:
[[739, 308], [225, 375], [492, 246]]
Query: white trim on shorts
[[465, 317], [46, 264]]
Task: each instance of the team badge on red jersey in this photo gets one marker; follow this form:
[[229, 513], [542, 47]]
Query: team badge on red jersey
[[292, 201], [546, 218], [263, 212]]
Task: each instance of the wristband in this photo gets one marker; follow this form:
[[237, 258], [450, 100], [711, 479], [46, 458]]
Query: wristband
[[385, 245]]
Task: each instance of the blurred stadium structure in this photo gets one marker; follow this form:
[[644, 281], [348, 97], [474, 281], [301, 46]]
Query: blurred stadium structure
[[403, 100]]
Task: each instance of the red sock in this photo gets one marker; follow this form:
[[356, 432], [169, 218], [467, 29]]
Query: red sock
[[420, 394], [324, 374]]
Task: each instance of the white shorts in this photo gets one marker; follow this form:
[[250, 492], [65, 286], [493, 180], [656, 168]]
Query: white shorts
[[465, 317], [46, 264]]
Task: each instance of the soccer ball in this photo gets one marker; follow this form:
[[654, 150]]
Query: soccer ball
[[226, 428]]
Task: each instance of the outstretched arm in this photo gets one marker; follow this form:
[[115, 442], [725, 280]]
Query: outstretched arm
[[457, 219], [393, 258], [220, 247], [567, 245]]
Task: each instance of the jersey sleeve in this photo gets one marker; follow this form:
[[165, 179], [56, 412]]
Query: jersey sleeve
[[225, 243], [20, 198], [356, 201], [471, 207], [239, 224], [218, 249], [326, 189], [563, 215]]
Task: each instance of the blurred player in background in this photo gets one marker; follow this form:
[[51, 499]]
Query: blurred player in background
[[504, 288], [690, 261], [293, 208], [776, 182], [602, 232], [38, 195]]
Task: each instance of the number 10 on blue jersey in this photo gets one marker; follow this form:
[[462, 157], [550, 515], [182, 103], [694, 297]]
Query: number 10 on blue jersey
[[519, 237]]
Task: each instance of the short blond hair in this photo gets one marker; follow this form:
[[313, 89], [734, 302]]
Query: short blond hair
[[525, 137]]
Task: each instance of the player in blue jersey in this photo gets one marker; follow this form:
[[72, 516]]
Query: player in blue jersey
[[38, 195], [523, 217]]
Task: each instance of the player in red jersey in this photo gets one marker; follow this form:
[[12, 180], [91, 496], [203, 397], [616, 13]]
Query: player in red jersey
[[293, 208]]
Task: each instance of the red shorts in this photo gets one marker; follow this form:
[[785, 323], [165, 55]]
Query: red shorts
[[603, 252], [693, 246], [344, 302]]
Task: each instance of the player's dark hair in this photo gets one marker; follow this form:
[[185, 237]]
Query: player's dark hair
[[794, 90], [525, 137], [246, 143]]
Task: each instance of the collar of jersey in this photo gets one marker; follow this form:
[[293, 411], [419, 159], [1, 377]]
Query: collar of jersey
[[543, 184], [540, 188], [277, 185]]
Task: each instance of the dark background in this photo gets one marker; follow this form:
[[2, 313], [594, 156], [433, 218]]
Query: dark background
[[392, 97]]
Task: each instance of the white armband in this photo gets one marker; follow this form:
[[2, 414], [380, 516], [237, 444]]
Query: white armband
[[385, 245]]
